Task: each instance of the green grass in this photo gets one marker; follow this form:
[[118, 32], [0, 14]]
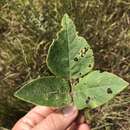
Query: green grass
[[28, 28]]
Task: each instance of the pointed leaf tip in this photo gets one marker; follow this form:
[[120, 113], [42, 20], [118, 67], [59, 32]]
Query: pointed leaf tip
[[66, 15], [69, 56]]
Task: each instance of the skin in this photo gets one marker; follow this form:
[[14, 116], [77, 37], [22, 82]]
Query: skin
[[46, 118]]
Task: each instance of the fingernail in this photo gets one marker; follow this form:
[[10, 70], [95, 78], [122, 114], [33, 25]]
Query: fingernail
[[70, 110]]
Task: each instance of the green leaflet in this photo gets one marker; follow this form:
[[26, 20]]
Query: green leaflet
[[48, 91], [70, 56], [96, 89]]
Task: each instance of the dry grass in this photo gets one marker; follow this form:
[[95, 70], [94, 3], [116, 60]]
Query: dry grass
[[26, 31]]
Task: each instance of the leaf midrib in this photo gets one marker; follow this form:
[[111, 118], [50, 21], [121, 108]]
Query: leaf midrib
[[68, 47], [66, 25]]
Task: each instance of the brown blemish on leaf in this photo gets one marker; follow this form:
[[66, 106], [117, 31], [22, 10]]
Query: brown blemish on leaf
[[86, 49], [87, 100], [89, 65], [75, 59], [109, 91]]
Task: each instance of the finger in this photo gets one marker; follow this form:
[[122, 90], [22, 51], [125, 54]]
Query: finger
[[58, 121], [72, 126], [81, 118], [32, 118], [83, 127]]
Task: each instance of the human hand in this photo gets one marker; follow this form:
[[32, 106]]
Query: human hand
[[46, 118]]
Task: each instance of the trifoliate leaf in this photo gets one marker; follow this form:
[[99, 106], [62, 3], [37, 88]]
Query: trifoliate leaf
[[96, 89], [47, 91], [70, 56]]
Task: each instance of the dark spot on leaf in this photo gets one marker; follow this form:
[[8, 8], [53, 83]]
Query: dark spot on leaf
[[109, 91], [87, 100], [89, 65], [75, 59], [82, 55], [80, 73], [101, 70], [86, 49]]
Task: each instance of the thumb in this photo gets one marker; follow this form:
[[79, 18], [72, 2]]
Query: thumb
[[58, 121]]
